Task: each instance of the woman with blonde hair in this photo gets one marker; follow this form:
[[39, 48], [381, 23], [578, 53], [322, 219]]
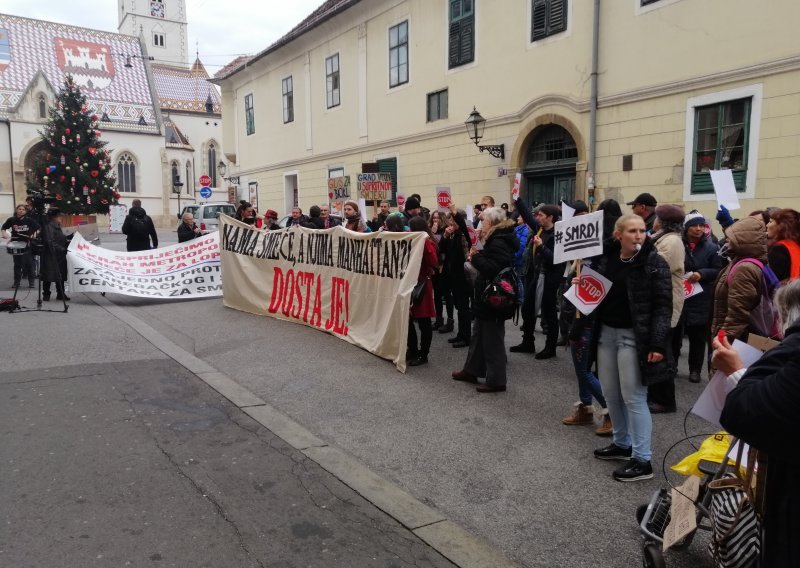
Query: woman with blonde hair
[[630, 338]]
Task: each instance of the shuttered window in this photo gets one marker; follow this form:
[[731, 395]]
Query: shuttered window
[[462, 32], [721, 135], [548, 17]]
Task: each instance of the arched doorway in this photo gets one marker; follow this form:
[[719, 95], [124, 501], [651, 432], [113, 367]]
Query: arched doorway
[[549, 166], [36, 156]]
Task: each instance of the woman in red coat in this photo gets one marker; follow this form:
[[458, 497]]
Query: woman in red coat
[[424, 309]]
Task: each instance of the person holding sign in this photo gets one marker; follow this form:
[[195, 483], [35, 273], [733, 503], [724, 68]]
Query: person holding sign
[[702, 265], [630, 341]]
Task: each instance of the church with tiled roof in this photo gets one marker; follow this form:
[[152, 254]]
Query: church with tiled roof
[[159, 112]]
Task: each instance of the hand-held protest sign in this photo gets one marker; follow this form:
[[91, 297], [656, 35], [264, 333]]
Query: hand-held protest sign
[[375, 186], [579, 237], [116, 217], [690, 288], [591, 290], [443, 197], [182, 271], [401, 199], [567, 212], [516, 188], [356, 286], [725, 189]]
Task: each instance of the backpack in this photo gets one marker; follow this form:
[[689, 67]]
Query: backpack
[[139, 228], [764, 318], [501, 295]]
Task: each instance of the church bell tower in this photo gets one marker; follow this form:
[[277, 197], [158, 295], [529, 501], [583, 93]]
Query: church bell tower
[[163, 25]]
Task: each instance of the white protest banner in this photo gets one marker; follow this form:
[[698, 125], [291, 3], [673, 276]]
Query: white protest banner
[[116, 217], [725, 189], [375, 186], [516, 188], [567, 212], [587, 295], [355, 286], [690, 288], [580, 237], [443, 197], [185, 270]]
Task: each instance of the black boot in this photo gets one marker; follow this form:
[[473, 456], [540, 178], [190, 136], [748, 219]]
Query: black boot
[[527, 346], [447, 327], [437, 324]]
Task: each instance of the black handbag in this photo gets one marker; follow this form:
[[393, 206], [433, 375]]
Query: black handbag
[[418, 292]]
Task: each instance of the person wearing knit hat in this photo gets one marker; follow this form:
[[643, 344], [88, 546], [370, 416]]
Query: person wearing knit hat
[[702, 265], [412, 208], [353, 220], [667, 238]]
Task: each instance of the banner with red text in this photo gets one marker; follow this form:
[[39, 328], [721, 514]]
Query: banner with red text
[[185, 270], [355, 286]]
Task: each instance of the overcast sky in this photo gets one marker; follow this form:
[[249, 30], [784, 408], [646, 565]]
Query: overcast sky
[[223, 28]]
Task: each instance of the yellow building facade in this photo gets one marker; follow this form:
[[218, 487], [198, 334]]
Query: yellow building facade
[[684, 86]]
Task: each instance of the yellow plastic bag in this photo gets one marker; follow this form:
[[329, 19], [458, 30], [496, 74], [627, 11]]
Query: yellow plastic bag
[[712, 449]]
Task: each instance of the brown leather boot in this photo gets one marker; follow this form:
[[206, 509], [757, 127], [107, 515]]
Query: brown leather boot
[[605, 428], [583, 415]]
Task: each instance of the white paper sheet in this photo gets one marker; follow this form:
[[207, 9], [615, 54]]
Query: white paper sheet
[[725, 189], [710, 403], [567, 212]]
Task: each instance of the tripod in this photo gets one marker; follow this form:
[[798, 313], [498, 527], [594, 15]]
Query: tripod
[[45, 245]]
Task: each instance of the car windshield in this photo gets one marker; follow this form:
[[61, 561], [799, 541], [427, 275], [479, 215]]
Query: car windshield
[[212, 211]]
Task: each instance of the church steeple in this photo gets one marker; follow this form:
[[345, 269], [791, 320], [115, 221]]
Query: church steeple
[[162, 24]]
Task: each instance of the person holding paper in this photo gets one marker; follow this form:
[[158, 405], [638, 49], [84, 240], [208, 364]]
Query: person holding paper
[[783, 233], [702, 265], [630, 342], [762, 411], [455, 247]]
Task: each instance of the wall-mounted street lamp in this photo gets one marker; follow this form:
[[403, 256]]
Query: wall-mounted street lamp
[[475, 126], [222, 168], [128, 58], [177, 187]]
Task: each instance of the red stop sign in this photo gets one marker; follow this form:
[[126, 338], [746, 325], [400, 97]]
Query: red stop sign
[[687, 288], [205, 181], [443, 199], [590, 290]]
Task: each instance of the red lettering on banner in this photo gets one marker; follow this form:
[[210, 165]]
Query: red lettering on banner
[[288, 296], [316, 315], [301, 276], [309, 282], [340, 290], [277, 291]]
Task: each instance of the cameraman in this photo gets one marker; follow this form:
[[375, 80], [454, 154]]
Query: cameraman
[[23, 228]]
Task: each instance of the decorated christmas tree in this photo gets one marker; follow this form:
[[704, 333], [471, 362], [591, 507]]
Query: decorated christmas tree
[[75, 169]]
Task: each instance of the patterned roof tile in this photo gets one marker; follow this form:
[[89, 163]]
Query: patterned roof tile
[[95, 59], [186, 90]]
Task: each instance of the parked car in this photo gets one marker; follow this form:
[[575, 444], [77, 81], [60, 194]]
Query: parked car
[[206, 215]]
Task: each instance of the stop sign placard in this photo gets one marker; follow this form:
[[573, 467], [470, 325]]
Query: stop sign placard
[[205, 181], [590, 290], [401, 199], [443, 198]]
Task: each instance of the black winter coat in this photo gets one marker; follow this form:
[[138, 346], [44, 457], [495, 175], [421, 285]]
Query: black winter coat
[[705, 260], [139, 242], [762, 411], [186, 233], [497, 254], [454, 249], [54, 260], [650, 300]]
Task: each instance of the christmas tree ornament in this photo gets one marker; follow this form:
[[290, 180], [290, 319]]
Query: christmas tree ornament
[[92, 191], [77, 159], [93, 151], [67, 131], [94, 173], [67, 168], [61, 179], [63, 159], [78, 138], [73, 182], [63, 140], [86, 190]]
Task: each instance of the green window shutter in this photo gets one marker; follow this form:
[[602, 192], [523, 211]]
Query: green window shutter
[[389, 166], [539, 23], [455, 44], [467, 50], [557, 17]]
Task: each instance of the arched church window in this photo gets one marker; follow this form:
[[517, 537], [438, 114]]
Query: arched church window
[[42, 106], [212, 164], [126, 174]]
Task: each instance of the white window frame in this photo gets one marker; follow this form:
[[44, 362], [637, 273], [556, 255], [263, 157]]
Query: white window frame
[[285, 98], [638, 9], [389, 48], [338, 57], [753, 92]]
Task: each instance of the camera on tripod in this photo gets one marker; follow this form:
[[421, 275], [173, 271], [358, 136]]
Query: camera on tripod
[[40, 197]]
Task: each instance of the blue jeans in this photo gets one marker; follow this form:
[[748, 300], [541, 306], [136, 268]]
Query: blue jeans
[[621, 377], [588, 383]]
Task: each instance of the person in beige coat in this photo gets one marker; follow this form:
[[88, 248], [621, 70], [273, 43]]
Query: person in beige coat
[[669, 244]]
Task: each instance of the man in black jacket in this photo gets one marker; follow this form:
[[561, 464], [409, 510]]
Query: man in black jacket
[[139, 228], [22, 227]]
